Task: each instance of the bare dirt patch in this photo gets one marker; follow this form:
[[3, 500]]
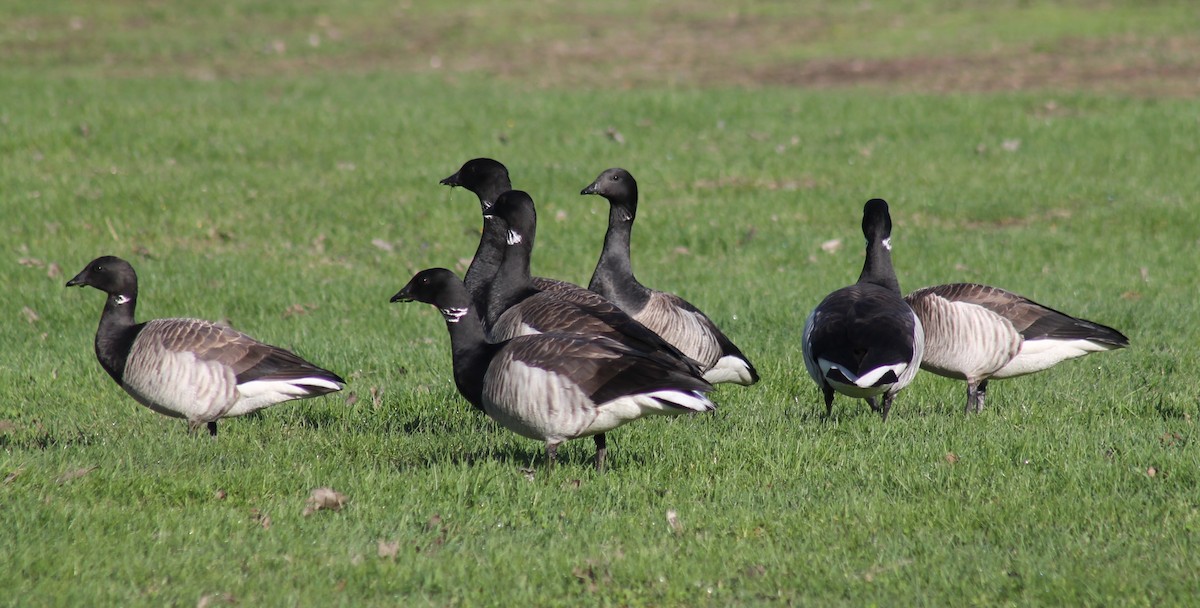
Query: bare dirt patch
[[567, 47]]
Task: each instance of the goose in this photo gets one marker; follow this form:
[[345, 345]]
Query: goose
[[488, 178], [864, 341], [555, 387], [670, 316], [977, 333], [190, 368], [515, 306]]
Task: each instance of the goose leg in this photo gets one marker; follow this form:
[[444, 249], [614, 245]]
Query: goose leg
[[980, 395], [828, 390], [873, 403], [551, 454], [212, 429], [887, 404], [601, 451]]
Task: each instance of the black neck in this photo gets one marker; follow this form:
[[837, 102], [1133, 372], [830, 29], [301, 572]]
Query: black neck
[[613, 277], [114, 338], [491, 248], [471, 350], [877, 268], [513, 281], [486, 262]]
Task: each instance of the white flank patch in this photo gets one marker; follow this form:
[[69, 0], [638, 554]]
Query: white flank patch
[[887, 243], [612, 414], [514, 237], [861, 386], [453, 315], [122, 299], [730, 369], [257, 394], [1037, 355]]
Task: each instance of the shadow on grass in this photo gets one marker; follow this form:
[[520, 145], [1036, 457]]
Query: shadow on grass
[[37, 437]]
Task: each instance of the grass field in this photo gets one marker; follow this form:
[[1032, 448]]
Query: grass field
[[275, 165]]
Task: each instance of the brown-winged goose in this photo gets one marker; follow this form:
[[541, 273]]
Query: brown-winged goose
[[672, 317], [864, 341], [189, 368], [978, 333], [488, 179], [555, 387]]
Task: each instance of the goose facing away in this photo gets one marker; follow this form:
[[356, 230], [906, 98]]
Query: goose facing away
[[670, 316], [189, 368], [487, 179], [864, 341], [555, 387], [977, 333]]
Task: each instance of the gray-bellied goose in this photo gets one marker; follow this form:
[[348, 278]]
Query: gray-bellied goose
[[488, 179], [864, 340], [189, 368], [672, 317], [977, 333], [555, 387]]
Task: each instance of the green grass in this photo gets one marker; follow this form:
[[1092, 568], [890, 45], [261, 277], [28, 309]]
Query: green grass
[[238, 198]]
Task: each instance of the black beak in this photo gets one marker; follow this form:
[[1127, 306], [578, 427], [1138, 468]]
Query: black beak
[[591, 189], [402, 296], [451, 181], [78, 281]]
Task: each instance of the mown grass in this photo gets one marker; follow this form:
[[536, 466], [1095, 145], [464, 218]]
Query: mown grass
[[240, 199]]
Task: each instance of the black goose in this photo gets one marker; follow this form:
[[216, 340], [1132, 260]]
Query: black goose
[[488, 179], [554, 387], [672, 317], [864, 340], [189, 368], [516, 307], [977, 333]]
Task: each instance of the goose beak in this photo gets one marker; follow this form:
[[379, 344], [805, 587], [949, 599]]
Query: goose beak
[[451, 181], [402, 296], [591, 189], [78, 281]]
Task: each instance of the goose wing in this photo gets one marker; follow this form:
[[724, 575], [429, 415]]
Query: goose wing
[[248, 358], [1033, 320], [604, 369]]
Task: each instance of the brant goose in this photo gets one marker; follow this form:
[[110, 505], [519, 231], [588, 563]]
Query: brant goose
[[189, 368], [488, 179], [864, 340], [515, 307], [555, 387], [977, 333], [672, 317]]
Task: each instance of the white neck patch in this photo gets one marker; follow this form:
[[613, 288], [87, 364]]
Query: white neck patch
[[453, 315], [122, 299], [887, 243], [514, 237]]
